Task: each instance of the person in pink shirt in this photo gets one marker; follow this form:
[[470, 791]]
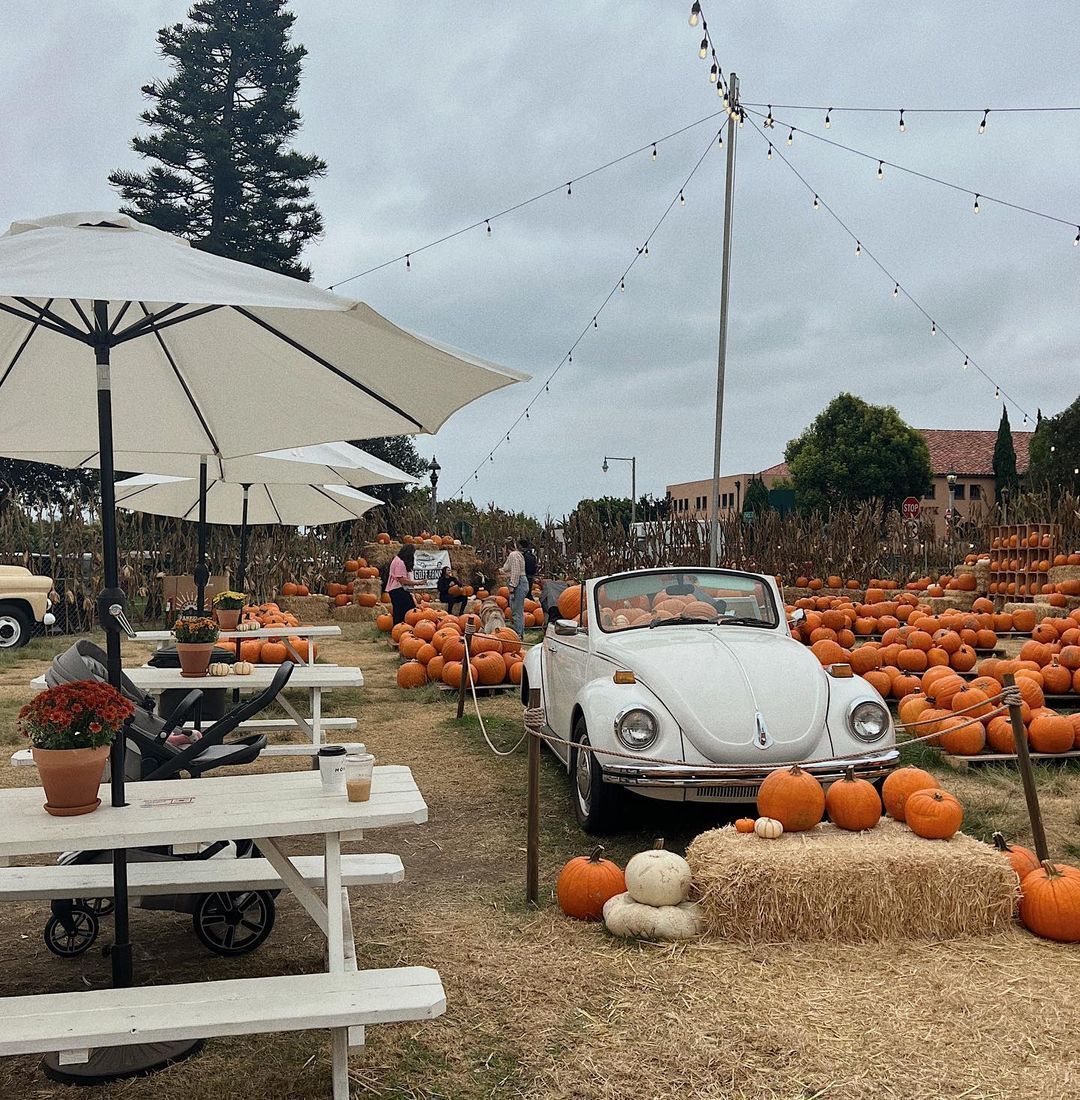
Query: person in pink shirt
[[399, 581]]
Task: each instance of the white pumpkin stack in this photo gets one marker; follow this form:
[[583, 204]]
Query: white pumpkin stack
[[656, 903]]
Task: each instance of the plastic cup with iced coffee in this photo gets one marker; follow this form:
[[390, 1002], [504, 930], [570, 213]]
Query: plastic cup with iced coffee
[[358, 769]]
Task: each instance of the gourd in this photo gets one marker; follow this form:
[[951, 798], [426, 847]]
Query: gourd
[[900, 785], [744, 825], [768, 828], [586, 882], [933, 814], [626, 917], [793, 797], [1022, 860], [247, 625], [852, 803], [1050, 902], [658, 877], [218, 668], [243, 668]]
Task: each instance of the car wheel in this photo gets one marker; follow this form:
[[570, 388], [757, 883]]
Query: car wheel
[[596, 803], [14, 627]]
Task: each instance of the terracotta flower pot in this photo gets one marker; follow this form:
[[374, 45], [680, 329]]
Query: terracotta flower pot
[[194, 657], [227, 619], [71, 778]]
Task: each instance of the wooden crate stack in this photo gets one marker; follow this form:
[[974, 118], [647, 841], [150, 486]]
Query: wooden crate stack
[[1020, 558]]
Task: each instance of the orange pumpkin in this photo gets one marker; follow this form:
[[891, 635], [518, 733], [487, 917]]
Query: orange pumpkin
[[1051, 733], [852, 803], [900, 785], [411, 674], [793, 797], [273, 652], [570, 602], [1050, 902], [744, 825], [1022, 860], [961, 735], [933, 814], [290, 589], [585, 883], [384, 623], [251, 650]]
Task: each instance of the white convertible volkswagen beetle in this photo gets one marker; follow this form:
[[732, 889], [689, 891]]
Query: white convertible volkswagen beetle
[[677, 668]]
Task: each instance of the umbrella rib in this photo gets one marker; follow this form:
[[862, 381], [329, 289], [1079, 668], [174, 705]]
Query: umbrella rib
[[270, 497], [79, 310], [158, 321], [56, 319], [118, 318], [351, 514], [183, 383], [296, 345], [64, 330], [22, 347]]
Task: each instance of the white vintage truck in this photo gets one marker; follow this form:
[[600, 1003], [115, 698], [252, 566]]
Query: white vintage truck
[[24, 603]]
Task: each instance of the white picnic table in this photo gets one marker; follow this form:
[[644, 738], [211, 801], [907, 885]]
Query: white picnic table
[[265, 808], [315, 679], [309, 634]]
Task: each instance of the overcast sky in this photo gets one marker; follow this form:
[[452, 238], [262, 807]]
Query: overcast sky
[[431, 116]]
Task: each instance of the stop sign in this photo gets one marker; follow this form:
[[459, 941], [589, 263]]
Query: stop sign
[[911, 508]]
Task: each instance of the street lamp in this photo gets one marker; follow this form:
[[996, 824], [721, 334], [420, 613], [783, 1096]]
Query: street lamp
[[950, 480], [633, 483], [738, 497], [434, 468], [1005, 494]]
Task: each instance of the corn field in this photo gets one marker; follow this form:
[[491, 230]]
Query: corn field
[[63, 540]]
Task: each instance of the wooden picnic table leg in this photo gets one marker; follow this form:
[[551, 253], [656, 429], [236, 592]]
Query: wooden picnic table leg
[[316, 716], [335, 950]]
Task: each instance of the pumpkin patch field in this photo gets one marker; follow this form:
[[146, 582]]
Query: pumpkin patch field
[[541, 1006]]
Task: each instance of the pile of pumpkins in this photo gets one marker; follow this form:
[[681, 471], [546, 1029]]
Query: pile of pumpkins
[[269, 651], [650, 900], [432, 648], [934, 710], [425, 539], [1053, 654], [534, 613]]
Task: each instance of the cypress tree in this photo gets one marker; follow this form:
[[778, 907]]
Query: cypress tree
[[1004, 457], [223, 173]]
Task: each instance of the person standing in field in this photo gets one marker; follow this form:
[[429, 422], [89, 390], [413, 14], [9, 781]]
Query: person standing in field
[[513, 569], [531, 565], [399, 581]]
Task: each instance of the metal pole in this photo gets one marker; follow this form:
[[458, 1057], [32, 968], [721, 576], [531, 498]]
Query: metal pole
[[633, 495], [202, 573], [725, 286], [1023, 761], [241, 570], [470, 630], [532, 840]]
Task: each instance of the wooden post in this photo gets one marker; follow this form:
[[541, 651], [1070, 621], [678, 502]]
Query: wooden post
[[532, 841], [1023, 760], [470, 630]]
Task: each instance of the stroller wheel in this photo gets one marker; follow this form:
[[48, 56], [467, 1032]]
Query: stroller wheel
[[100, 907], [72, 933], [233, 924]]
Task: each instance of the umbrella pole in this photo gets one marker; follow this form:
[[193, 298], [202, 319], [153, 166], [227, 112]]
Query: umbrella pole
[[202, 573], [241, 570]]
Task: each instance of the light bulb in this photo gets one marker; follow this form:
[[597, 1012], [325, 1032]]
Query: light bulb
[[721, 93], [703, 49], [622, 284], [828, 119], [1025, 420], [714, 72], [526, 414], [903, 128], [720, 141], [982, 125], [858, 248], [933, 328], [975, 208], [997, 391], [507, 437], [646, 248], [568, 190], [816, 203], [880, 169], [682, 199], [571, 357], [546, 389], [896, 290], [791, 138], [769, 154], [488, 224], [654, 151], [695, 12], [742, 116], [1077, 239], [965, 362], [408, 263], [770, 122], [594, 324]]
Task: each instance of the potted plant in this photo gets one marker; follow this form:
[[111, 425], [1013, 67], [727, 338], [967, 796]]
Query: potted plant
[[70, 728], [227, 608], [195, 637]]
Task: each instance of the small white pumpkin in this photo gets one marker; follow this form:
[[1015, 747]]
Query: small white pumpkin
[[247, 625], [218, 668], [768, 828], [243, 668], [626, 917], [657, 877]]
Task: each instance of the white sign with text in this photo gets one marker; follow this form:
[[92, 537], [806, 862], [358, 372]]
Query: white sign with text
[[427, 565]]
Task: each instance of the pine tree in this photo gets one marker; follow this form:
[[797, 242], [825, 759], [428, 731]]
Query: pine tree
[[224, 175], [1004, 457]]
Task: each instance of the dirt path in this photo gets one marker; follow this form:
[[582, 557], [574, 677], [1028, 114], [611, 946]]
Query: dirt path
[[539, 1006]]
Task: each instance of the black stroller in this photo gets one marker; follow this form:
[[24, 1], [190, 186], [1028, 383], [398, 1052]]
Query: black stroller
[[158, 748]]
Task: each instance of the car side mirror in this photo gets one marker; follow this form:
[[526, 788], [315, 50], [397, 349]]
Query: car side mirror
[[797, 616], [566, 628]]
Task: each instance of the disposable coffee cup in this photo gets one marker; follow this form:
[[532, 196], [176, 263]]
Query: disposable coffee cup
[[332, 769], [358, 769]]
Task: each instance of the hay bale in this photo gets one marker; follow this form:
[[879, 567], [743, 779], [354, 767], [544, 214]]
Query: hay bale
[[954, 601], [371, 585], [1042, 610], [354, 613], [832, 885], [1059, 573], [308, 609]]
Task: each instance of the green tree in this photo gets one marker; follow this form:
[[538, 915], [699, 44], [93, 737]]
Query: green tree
[[1004, 457], [399, 451], [224, 175], [1055, 452], [854, 451], [757, 497]]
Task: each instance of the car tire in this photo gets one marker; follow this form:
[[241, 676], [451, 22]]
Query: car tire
[[597, 805], [15, 626]]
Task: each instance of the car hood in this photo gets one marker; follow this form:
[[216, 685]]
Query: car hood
[[724, 685]]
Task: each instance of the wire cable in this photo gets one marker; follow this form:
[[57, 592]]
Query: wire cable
[[913, 110]]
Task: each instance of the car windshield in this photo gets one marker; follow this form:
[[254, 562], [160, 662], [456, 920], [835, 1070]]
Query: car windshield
[[681, 597]]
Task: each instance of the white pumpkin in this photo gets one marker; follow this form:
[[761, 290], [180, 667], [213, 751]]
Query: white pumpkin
[[626, 917], [246, 625], [218, 668], [768, 828], [657, 877], [243, 668]]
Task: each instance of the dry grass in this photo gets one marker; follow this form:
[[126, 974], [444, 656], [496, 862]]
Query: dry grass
[[542, 1007], [834, 886]]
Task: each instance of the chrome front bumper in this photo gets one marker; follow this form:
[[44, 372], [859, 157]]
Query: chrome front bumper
[[690, 783]]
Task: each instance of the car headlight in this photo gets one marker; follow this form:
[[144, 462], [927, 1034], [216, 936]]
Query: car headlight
[[636, 727], [869, 721]]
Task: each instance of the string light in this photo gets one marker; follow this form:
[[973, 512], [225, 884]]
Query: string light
[[703, 50], [791, 135], [488, 224], [903, 128], [975, 208], [828, 119], [622, 284], [720, 141], [654, 151], [594, 324], [896, 290], [770, 122], [880, 170], [569, 190], [816, 203], [933, 328], [997, 391], [682, 199], [695, 13], [408, 262], [1025, 420], [1076, 240], [982, 125], [858, 248], [714, 72], [965, 361]]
